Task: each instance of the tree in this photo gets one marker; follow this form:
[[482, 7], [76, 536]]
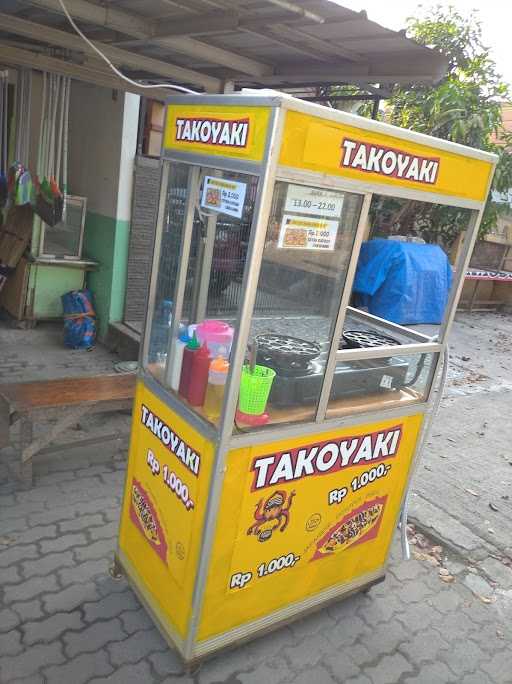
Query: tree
[[465, 107]]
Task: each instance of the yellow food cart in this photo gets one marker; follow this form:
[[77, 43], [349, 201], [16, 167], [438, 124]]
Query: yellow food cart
[[277, 418]]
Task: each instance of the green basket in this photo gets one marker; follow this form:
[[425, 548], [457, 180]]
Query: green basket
[[254, 389]]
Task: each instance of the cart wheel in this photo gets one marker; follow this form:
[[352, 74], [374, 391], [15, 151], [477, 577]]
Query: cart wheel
[[115, 570]]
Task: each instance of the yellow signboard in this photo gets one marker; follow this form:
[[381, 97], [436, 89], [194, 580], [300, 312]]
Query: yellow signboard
[[302, 515], [336, 148], [239, 132], [165, 498]]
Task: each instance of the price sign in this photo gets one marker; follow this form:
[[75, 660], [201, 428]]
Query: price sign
[[224, 196], [301, 232], [314, 201]]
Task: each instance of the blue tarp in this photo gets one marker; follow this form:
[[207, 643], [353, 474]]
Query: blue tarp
[[403, 282]]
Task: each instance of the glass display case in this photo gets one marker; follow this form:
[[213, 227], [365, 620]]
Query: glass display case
[[301, 295], [313, 351]]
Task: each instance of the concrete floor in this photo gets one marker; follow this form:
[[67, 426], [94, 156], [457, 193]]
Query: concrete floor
[[63, 620]]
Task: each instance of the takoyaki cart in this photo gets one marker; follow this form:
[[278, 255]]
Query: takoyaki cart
[[277, 417]]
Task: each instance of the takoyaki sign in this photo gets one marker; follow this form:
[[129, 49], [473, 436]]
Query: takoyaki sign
[[325, 457], [388, 161]]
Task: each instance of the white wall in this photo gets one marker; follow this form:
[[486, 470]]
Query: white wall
[[102, 144], [128, 151]]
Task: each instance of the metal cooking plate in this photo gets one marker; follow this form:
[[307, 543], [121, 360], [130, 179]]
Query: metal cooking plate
[[355, 339], [285, 347]]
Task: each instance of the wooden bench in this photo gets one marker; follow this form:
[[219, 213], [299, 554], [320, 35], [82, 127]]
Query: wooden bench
[[67, 401]]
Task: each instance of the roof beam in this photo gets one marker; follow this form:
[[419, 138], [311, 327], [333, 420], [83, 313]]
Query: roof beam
[[275, 38], [138, 27], [89, 74], [308, 43], [211, 22], [29, 29]]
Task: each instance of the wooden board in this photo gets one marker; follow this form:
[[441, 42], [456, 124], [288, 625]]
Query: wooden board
[[30, 396], [15, 234], [14, 293]]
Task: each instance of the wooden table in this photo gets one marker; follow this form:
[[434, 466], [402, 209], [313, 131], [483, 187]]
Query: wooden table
[[68, 400]]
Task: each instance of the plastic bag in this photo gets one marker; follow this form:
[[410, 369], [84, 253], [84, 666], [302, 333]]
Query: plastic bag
[[79, 319], [49, 202]]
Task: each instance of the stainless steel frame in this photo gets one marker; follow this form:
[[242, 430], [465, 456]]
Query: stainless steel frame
[[250, 282], [338, 325], [269, 171]]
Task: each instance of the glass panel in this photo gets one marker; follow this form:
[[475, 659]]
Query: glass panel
[[63, 240], [309, 241], [218, 207], [379, 383], [407, 263], [170, 236]]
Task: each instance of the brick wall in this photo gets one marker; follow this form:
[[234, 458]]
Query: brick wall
[[146, 186]]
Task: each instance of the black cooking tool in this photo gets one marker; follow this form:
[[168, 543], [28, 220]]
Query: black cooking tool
[[284, 350], [357, 339]]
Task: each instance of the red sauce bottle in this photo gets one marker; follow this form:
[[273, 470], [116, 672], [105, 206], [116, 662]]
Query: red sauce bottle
[[189, 352], [199, 376]]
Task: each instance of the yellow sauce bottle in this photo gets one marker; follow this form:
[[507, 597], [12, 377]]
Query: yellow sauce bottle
[[217, 376]]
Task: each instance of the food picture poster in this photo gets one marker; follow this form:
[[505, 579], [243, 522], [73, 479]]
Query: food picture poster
[[304, 232]]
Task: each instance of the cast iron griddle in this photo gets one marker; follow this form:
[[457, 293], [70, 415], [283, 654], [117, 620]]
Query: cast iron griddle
[[283, 349], [356, 339]]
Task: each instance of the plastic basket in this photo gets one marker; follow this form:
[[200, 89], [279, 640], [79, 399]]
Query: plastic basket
[[255, 388]]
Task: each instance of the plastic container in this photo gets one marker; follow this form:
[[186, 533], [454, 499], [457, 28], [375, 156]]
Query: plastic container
[[174, 371], [189, 352], [199, 376], [254, 389], [217, 377], [217, 335]]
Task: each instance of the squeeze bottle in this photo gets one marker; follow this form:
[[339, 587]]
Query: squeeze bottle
[[217, 377], [199, 376], [186, 367], [177, 359]]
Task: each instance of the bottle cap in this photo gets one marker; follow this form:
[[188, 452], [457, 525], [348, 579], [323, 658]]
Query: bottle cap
[[193, 342], [219, 365], [183, 336]]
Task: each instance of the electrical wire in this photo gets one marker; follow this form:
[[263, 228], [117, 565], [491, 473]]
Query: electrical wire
[[171, 86]]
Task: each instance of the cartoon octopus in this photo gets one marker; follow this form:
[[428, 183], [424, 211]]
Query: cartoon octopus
[[270, 514]]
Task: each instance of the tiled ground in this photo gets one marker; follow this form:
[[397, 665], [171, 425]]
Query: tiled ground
[[64, 620]]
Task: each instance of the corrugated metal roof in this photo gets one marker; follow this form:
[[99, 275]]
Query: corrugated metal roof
[[248, 42]]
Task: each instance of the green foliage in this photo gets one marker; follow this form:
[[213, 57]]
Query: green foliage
[[465, 107]]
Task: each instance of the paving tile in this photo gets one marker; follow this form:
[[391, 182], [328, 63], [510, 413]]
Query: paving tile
[[101, 549], [274, 671], [30, 661], [128, 674], [82, 572], [49, 629], [318, 675], [30, 588], [10, 643], [136, 647], [80, 669], [91, 639], [433, 672], [110, 606], [68, 599], [81, 523], [65, 541], [389, 670], [8, 619], [47, 564]]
